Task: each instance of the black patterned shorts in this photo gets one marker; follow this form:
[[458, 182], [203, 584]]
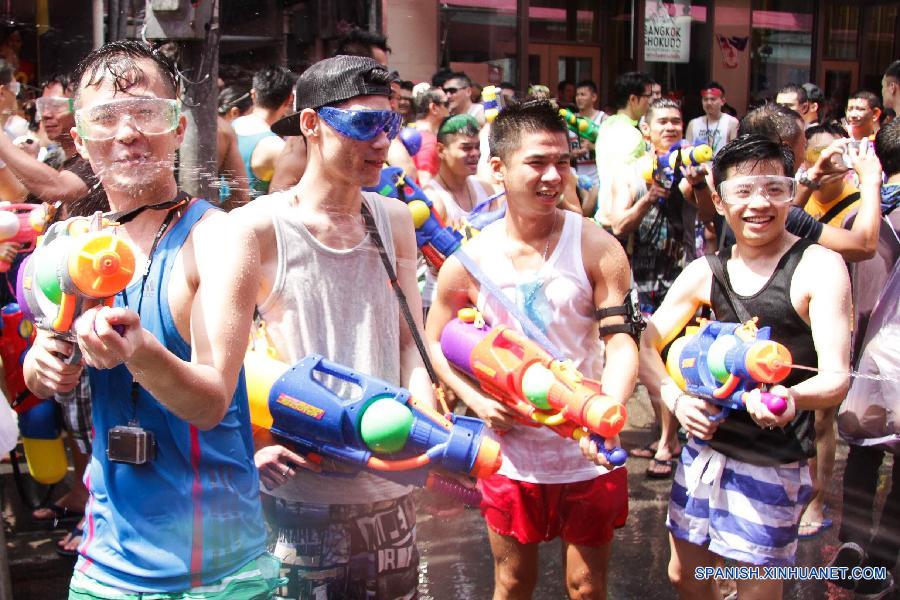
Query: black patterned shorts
[[345, 551]]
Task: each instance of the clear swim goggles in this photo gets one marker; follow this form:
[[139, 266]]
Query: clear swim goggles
[[150, 116], [776, 189]]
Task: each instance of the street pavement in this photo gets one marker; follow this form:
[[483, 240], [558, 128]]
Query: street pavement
[[456, 560]]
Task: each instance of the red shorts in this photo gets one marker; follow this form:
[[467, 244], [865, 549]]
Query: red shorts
[[584, 513]]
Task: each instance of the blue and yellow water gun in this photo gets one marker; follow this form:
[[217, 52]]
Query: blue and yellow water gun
[[723, 362], [381, 428]]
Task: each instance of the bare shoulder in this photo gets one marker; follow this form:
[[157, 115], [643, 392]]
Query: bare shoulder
[[216, 226], [820, 264], [396, 210], [599, 247]]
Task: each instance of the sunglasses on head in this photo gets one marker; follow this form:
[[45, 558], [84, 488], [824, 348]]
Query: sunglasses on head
[[362, 125]]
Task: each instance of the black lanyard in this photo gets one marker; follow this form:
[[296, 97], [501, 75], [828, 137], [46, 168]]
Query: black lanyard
[[170, 206]]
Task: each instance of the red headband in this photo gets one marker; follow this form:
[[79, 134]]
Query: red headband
[[712, 92]]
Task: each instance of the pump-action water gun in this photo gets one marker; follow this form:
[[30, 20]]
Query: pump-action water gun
[[22, 224], [580, 125], [542, 391], [722, 362], [80, 263], [383, 429], [38, 419], [662, 169], [435, 240]]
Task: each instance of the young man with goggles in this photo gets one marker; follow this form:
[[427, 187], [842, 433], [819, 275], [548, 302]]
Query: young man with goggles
[[174, 509], [323, 290], [743, 481]]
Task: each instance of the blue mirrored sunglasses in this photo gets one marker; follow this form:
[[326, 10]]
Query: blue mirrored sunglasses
[[362, 125]]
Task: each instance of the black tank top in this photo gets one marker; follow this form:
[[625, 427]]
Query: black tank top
[[739, 436]]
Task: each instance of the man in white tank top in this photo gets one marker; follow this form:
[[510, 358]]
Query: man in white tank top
[[455, 190], [558, 268], [324, 290]]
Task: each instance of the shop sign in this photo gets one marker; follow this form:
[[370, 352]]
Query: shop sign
[[667, 32]]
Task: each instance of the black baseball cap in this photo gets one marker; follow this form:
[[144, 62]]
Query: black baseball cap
[[334, 80]]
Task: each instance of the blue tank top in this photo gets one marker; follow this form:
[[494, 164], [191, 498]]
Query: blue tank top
[[246, 145], [191, 516]]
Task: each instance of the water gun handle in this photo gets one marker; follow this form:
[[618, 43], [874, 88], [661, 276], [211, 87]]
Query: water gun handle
[[453, 489], [615, 456]]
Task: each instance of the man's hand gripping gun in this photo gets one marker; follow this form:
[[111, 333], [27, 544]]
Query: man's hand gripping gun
[[662, 168], [383, 430], [543, 391], [723, 362], [434, 239], [78, 264]]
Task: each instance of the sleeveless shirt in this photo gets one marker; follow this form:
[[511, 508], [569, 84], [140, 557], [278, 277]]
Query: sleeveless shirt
[[337, 303], [192, 515], [739, 436], [559, 299]]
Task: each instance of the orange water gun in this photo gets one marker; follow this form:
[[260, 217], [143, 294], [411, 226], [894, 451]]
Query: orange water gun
[[541, 390]]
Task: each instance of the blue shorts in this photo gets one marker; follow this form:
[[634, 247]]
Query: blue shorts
[[743, 512]]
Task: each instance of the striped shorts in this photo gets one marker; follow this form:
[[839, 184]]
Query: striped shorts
[[743, 512]]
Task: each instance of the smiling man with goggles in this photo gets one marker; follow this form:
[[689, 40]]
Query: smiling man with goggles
[[741, 191], [362, 125], [150, 116], [56, 105]]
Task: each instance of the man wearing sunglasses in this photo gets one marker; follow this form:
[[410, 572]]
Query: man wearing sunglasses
[[743, 481], [457, 90], [324, 290], [174, 508]]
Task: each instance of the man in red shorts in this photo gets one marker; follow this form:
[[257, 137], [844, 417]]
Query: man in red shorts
[[558, 268]]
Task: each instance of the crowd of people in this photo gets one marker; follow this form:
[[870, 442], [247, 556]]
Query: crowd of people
[[790, 221]]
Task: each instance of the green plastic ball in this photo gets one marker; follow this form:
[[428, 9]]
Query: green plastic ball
[[536, 385], [385, 426], [715, 357]]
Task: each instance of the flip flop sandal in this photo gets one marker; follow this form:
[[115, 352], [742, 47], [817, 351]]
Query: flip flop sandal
[[61, 515], [647, 451], [73, 533], [665, 474], [818, 527]]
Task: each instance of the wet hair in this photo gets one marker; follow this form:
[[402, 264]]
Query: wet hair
[[531, 116], [661, 104], [61, 79], [457, 125], [629, 84], [774, 121], [423, 101], [359, 42], [752, 148], [887, 148], [793, 88], [273, 85], [830, 127], [588, 84], [120, 59], [873, 100], [235, 96], [893, 70]]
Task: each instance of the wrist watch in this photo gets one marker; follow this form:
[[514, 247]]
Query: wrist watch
[[804, 180]]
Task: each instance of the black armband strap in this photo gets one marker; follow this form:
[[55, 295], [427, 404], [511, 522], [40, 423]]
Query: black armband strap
[[630, 309]]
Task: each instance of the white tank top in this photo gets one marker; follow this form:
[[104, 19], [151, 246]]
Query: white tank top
[[351, 317], [454, 213], [559, 299]]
